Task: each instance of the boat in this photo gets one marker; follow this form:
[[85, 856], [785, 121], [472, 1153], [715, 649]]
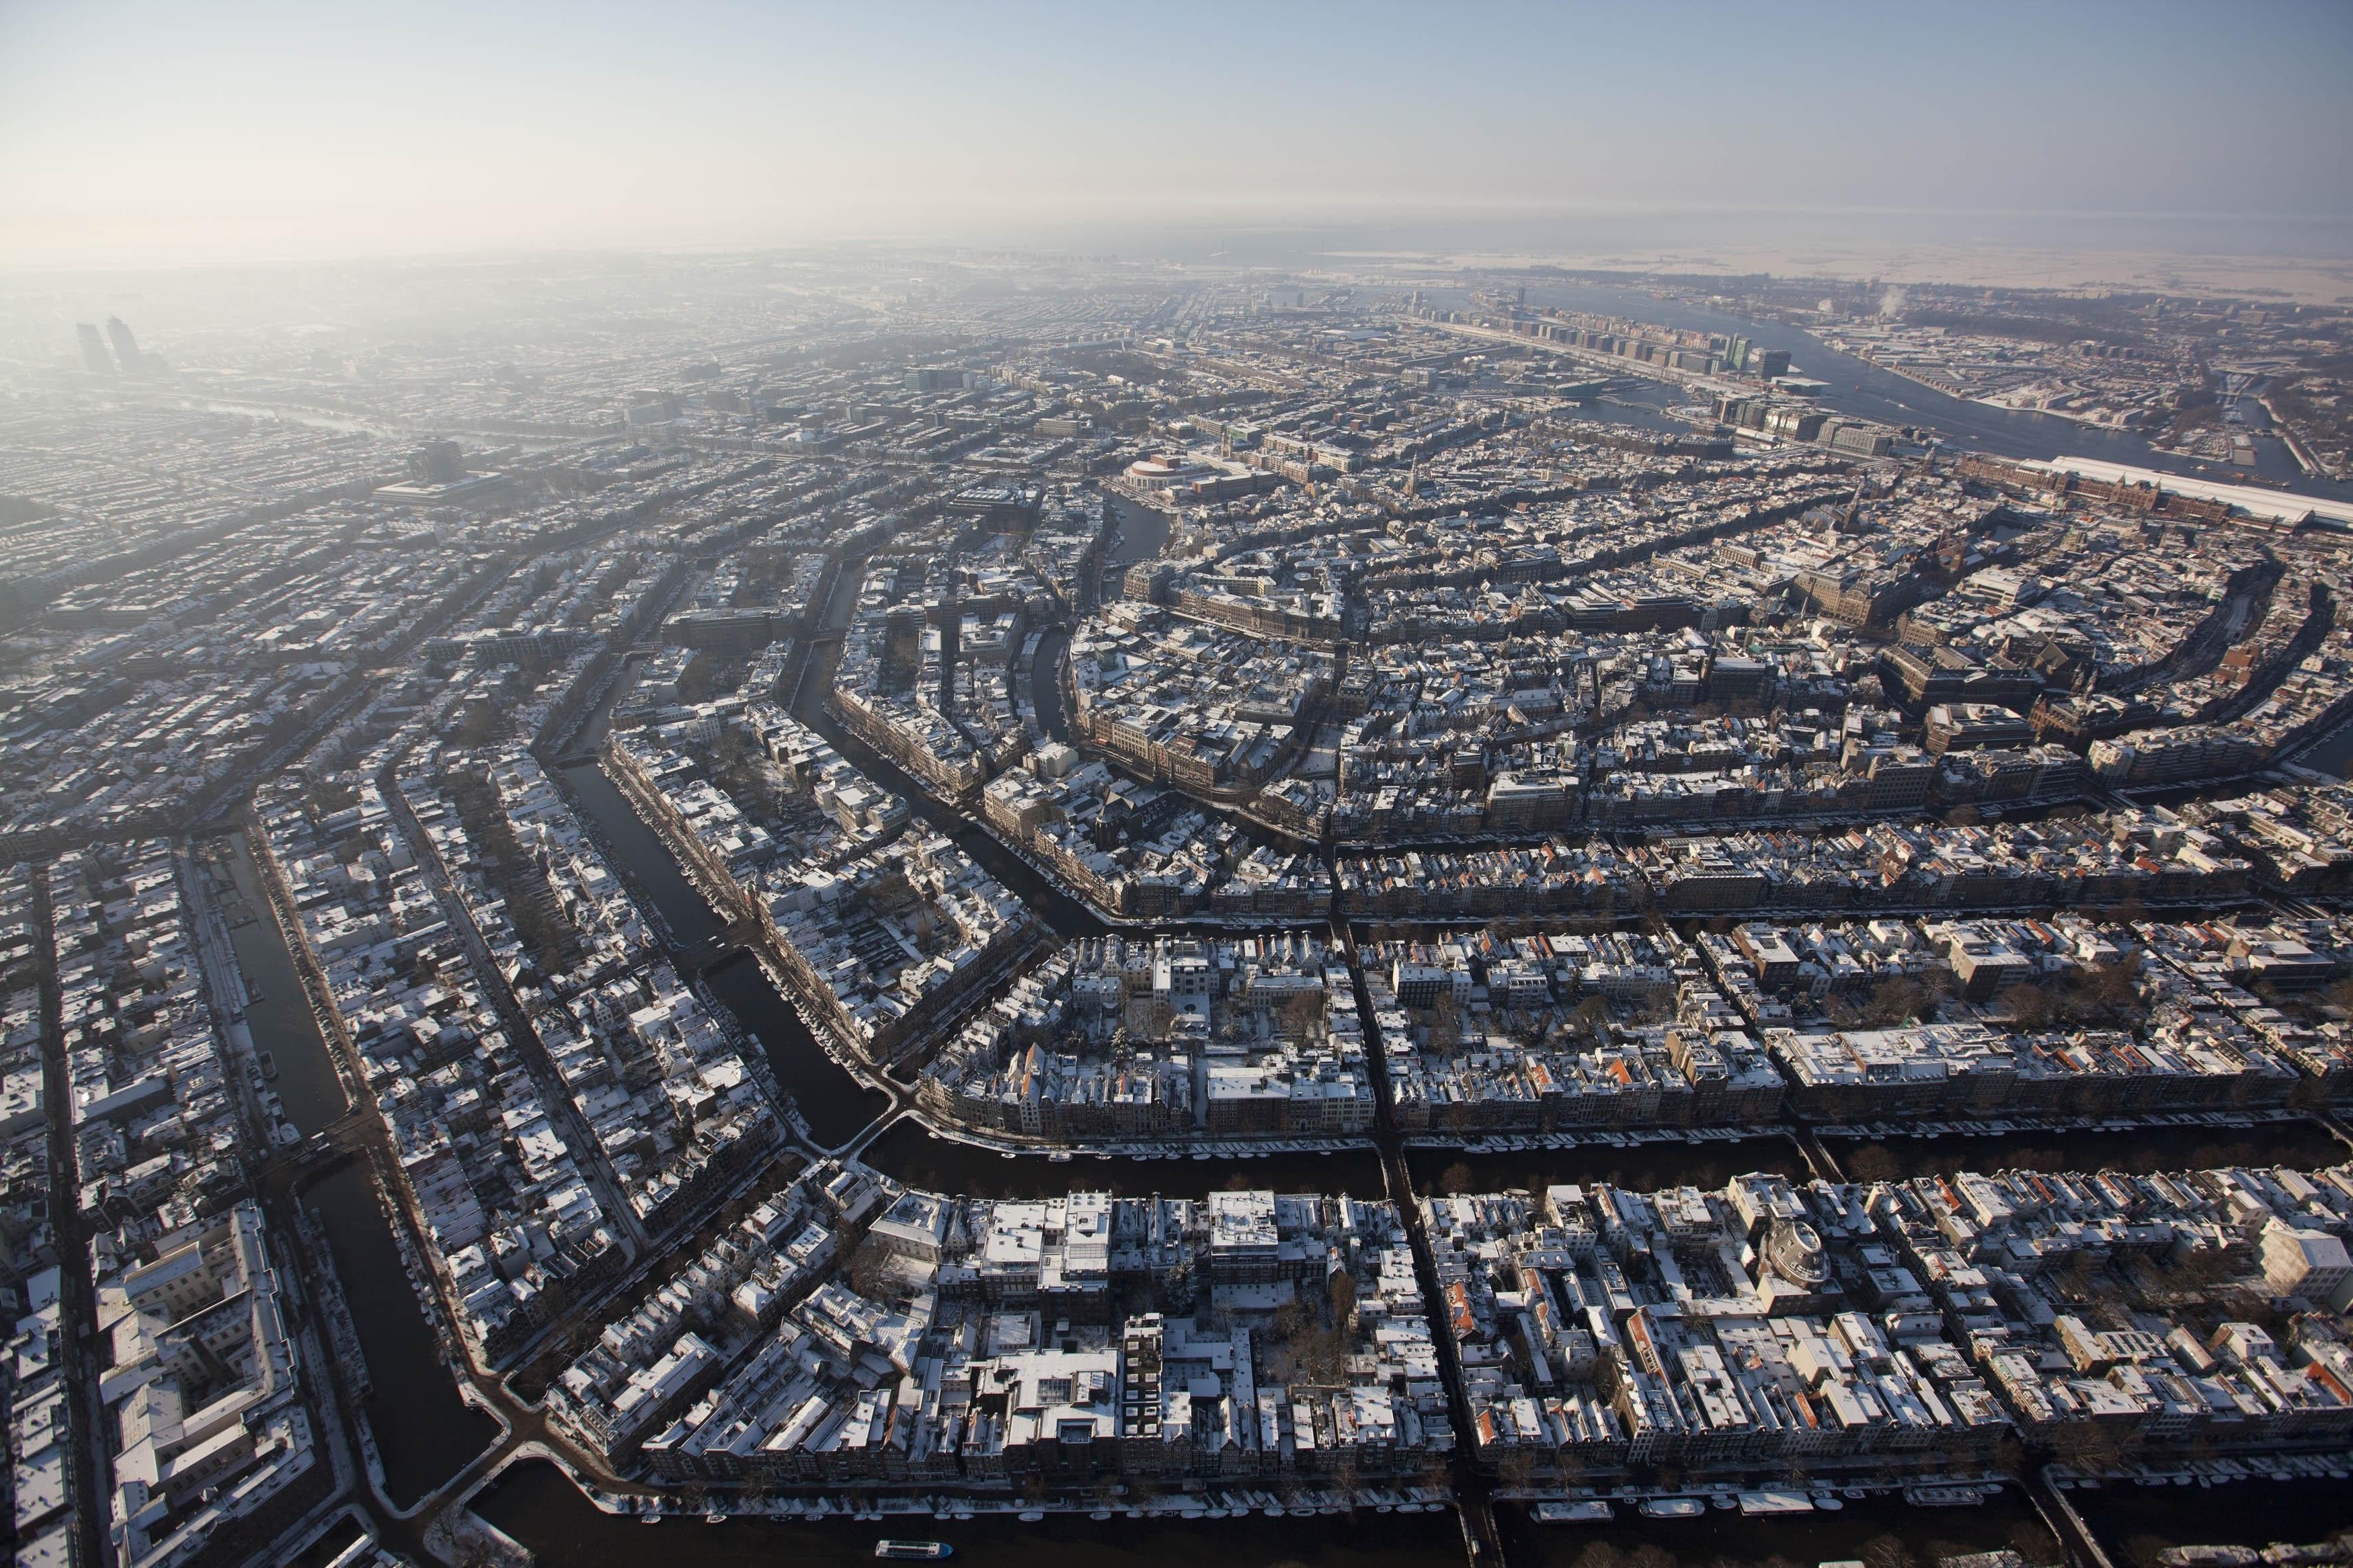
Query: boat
[[1673, 1507], [714, 1518], [268, 1065], [1943, 1497], [1770, 1505], [914, 1550], [1592, 1510]]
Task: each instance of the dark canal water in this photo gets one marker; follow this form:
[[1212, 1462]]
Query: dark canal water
[[1643, 1167], [280, 1020], [1723, 1536], [2136, 1522], [834, 1103], [537, 1506], [2305, 1145], [909, 1153], [423, 1430]]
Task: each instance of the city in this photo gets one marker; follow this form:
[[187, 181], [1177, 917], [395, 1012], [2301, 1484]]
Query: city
[[902, 896]]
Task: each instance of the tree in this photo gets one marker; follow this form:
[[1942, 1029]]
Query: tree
[[1886, 1551], [1592, 1016], [1342, 1286], [2115, 986], [1897, 1000], [1874, 1163], [868, 1273], [1445, 1019], [1300, 1014], [2029, 1006], [1455, 1179]]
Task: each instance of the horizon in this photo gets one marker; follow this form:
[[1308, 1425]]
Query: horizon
[[136, 137]]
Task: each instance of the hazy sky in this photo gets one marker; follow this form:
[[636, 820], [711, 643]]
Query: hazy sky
[[155, 133]]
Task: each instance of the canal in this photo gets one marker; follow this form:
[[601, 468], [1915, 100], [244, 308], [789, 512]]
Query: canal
[[2304, 1145], [2136, 1522], [835, 1104], [1881, 1529], [909, 1153], [277, 1010], [535, 1504], [1639, 1167], [424, 1431], [538, 1506]]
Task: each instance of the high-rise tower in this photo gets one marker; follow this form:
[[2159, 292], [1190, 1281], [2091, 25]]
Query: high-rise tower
[[93, 350], [126, 347]]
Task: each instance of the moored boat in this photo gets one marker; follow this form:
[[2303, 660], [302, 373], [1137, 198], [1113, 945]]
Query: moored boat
[[1591, 1510], [1673, 1507], [914, 1550], [1769, 1504]]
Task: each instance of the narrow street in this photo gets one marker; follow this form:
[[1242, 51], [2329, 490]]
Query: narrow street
[[1473, 1487], [86, 1465], [554, 1096]]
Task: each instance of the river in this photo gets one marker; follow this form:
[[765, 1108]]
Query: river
[[1857, 386]]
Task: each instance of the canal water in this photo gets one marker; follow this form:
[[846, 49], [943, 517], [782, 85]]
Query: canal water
[[535, 1504], [1882, 1529], [1641, 1167], [2136, 1522], [538, 1506], [281, 1019], [909, 1153], [423, 1430], [1143, 530], [835, 1104], [425, 1433], [2304, 1145]]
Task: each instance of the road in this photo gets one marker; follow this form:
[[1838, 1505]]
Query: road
[[1473, 1487]]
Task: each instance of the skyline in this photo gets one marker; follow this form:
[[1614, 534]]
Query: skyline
[[135, 136]]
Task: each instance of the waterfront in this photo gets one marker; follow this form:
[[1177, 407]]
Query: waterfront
[[2305, 1145], [1859, 387], [835, 1105], [1642, 1167], [1873, 1529], [533, 1503], [276, 1011], [909, 1153], [538, 1508], [424, 1432]]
